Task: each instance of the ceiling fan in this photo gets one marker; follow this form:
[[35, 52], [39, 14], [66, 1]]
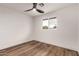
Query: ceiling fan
[[35, 8]]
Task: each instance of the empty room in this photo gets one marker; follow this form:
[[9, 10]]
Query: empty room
[[39, 29]]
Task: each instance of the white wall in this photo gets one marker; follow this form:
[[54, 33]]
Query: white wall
[[15, 27], [78, 27], [66, 33], [78, 36]]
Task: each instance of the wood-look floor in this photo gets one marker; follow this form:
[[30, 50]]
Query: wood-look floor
[[36, 48]]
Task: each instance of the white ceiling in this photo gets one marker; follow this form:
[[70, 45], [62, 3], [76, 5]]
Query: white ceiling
[[48, 7]]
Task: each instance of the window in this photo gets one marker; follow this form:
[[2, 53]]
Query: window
[[50, 23], [45, 24]]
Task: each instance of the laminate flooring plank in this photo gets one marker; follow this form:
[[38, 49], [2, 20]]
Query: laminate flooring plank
[[36, 48]]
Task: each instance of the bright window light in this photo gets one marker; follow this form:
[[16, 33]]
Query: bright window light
[[49, 23], [52, 23], [45, 24]]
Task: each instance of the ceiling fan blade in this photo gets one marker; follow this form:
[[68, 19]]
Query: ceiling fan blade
[[34, 5], [40, 11], [28, 10]]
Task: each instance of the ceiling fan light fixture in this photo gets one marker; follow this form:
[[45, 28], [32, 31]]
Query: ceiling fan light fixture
[[34, 9]]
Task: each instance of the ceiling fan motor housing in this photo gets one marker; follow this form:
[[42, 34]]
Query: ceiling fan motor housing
[[41, 4]]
